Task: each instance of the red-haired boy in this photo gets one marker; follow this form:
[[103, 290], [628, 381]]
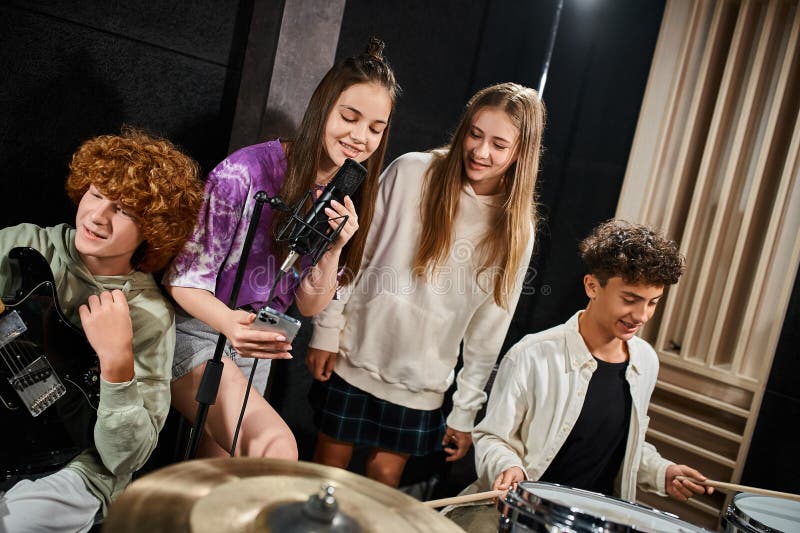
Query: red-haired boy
[[137, 199]]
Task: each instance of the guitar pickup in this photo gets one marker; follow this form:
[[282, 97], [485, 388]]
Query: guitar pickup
[[11, 327]]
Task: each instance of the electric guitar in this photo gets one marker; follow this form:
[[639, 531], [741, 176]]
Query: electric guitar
[[49, 375]]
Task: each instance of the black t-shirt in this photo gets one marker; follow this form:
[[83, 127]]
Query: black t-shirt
[[592, 454]]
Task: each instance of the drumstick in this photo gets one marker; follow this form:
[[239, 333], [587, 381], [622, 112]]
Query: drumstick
[[455, 500], [732, 487]]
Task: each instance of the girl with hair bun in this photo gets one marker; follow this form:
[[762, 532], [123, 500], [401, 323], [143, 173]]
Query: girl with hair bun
[[348, 116]]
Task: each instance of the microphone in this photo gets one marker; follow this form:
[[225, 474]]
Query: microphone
[[312, 233]]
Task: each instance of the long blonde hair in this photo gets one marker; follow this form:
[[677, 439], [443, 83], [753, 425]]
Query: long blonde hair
[[505, 245], [306, 151]]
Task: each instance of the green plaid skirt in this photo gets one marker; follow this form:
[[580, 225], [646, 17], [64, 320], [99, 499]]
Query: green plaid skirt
[[349, 414]]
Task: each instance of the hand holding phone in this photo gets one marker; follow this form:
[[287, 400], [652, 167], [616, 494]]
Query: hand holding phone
[[268, 319]]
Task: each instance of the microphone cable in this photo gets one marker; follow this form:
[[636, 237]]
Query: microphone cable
[[277, 280]]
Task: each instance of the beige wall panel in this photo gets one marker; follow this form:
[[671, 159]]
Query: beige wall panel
[[719, 142]]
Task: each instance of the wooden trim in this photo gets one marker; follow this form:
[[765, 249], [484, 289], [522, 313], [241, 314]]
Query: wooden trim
[[711, 386], [722, 406], [699, 424], [678, 30], [652, 206], [720, 138], [757, 92], [782, 222], [711, 169], [684, 167], [709, 372], [740, 181], [697, 450], [697, 504]]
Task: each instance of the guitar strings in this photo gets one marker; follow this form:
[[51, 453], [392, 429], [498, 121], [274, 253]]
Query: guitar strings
[[17, 355], [11, 359]]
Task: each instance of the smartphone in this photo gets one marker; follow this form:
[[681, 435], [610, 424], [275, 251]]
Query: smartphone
[[269, 319]]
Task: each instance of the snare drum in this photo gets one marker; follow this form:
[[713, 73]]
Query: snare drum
[[544, 507], [753, 513]]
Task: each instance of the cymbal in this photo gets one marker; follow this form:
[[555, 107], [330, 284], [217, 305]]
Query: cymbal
[[246, 494]]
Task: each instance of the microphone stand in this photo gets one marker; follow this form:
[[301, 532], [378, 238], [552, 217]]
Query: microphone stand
[[315, 252], [212, 375]]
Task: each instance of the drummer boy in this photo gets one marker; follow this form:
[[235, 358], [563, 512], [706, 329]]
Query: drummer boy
[[569, 404]]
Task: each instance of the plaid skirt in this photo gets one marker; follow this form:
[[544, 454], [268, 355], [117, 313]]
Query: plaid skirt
[[349, 414]]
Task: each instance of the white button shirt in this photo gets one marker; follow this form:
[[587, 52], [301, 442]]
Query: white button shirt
[[537, 397]]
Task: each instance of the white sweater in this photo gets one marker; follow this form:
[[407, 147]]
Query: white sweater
[[398, 335]]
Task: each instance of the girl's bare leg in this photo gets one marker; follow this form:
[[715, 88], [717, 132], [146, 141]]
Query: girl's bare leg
[[332, 452], [263, 433], [386, 466]]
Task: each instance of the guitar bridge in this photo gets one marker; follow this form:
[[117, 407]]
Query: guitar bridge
[[37, 386]]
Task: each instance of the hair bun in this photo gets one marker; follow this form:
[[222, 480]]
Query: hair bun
[[375, 48]]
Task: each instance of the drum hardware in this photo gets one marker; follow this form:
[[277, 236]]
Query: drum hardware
[[319, 514], [755, 513], [546, 507], [259, 495]]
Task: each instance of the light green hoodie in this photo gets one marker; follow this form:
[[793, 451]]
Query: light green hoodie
[[130, 414]]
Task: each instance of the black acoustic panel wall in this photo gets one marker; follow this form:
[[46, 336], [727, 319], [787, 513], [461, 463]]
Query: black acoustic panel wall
[[201, 29], [772, 461], [783, 376], [432, 47], [513, 51], [65, 81], [596, 81]]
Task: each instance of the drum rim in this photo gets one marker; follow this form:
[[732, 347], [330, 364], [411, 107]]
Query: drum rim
[[747, 520], [577, 515]]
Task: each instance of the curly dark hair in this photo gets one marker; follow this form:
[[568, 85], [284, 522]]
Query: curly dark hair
[[636, 253], [149, 177]]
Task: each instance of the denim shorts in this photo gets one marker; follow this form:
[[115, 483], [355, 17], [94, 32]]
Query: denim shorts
[[195, 344]]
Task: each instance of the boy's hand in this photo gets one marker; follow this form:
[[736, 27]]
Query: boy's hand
[[320, 363], [508, 479], [456, 443], [684, 489], [107, 324]]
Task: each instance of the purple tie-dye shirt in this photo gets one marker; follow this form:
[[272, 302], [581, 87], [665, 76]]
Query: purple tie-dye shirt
[[211, 256]]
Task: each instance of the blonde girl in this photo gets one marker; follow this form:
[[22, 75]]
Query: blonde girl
[[443, 263]]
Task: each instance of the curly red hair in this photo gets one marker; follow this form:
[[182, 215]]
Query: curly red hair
[[149, 177]]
